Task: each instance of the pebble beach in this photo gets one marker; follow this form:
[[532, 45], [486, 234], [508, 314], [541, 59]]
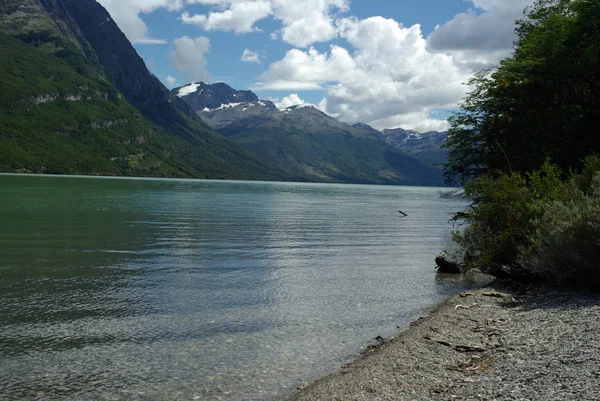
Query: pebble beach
[[501, 342]]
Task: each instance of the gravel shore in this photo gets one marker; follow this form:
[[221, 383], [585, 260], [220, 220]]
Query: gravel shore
[[494, 343]]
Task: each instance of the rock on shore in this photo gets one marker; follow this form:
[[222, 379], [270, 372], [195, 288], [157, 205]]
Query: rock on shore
[[495, 343]]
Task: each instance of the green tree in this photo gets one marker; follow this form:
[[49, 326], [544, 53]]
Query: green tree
[[542, 102]]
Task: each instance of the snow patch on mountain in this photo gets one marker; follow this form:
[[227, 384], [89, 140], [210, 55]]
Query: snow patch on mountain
[[224, 106], [188, 89], [413, 136]]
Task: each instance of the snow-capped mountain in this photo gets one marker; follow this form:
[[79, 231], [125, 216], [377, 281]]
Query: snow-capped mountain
[[424, 146], [303, 140], [200, 95]]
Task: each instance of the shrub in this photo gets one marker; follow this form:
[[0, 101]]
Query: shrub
[[564, 243], [591, 166], [501, 215], [495, 221]]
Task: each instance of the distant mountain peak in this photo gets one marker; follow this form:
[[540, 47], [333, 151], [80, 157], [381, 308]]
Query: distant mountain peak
[[202, 96], [188, 89], [243, 106], [363, 125]]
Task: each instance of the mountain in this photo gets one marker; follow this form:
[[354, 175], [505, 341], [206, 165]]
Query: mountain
[[369, 131], [306, 142], [425, 147], [77, 98], [201, 95]]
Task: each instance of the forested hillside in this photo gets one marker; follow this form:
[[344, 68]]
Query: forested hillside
[[76, 98]]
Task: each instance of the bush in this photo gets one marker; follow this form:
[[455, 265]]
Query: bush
[[500, 217], [564, 245], [500, 205]]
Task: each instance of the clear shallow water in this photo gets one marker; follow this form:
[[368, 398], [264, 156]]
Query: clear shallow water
[[174, 289]]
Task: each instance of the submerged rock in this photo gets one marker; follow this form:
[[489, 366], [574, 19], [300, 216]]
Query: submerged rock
[[446, 266]]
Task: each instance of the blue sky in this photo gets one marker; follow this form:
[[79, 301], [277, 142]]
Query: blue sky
[[386, 63]]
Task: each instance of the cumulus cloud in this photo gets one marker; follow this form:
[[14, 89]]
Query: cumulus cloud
[[303, 21], [385, 74], [308, 21], [309, 69], [291, 100], [417, 121], [127, 16], [482, 36], [249, 56], [239, 16], [390, 79], [188, 56]]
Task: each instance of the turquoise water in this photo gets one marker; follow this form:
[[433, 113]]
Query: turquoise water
[[149, 289]]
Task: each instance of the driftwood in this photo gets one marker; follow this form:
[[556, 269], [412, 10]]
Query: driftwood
[[492, 294], [456, 347], [466, 306]]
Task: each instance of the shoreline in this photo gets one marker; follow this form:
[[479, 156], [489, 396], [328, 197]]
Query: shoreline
[[500, 341]]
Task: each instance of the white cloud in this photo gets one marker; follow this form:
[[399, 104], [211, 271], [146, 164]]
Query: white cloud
[[291, 100], [386, 75], [287, 85], [170, 81], [126, 14], [309, 70], [249, 56], [390, 79], [303, 21], [239, 16], [418, 121], [188, 57], [308, 21], [477, 40]]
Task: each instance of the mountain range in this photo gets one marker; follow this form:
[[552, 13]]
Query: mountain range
[[425, 147], [306, 142], [78, 99]]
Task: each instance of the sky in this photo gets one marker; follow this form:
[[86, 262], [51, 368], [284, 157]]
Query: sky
[[389, 64]]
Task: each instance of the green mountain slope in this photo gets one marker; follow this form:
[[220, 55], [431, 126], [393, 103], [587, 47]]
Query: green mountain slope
[[304, 141], [71, 103], [308, 143]]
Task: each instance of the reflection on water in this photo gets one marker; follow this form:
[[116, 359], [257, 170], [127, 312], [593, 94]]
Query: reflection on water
[[174, 289]]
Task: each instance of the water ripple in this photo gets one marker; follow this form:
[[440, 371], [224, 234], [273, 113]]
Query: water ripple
[[175, 290]]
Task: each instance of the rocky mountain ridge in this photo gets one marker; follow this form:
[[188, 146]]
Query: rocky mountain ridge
[[232, 112], [200, 95], [306, 142]]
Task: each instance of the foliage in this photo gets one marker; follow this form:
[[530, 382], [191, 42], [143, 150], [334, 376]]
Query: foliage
[[57, 115], [499, 219], [591, 166], [564, 243], [541, 224], [541, 102]]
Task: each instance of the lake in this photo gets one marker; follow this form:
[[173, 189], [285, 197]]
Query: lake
[[150, 289]]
